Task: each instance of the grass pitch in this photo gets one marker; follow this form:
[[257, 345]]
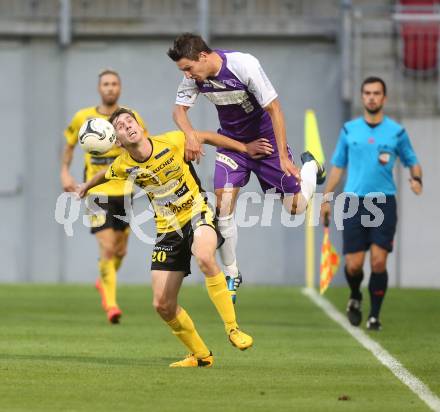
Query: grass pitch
[[57, 353]]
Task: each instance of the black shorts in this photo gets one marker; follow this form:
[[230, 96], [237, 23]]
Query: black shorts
[[172, 251], [103, 213], [360, 231]]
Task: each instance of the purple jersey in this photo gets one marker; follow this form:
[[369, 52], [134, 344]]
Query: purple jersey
[[239, 91]]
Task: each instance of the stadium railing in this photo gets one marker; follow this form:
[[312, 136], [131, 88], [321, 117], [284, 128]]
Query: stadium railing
[[168, 17]]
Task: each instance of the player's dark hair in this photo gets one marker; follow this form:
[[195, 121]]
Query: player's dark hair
[[374, 79], [120, 111], [108, 71], [189, 46]]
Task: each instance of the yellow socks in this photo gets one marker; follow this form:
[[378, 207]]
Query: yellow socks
[[117, 260], [108, 281], [183, 327], [220, 296]]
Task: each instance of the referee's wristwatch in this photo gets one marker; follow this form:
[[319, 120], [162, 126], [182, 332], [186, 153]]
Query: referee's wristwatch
[[418, 179]]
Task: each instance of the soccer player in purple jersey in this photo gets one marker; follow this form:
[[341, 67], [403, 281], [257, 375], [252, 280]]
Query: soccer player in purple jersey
[[248, 109]]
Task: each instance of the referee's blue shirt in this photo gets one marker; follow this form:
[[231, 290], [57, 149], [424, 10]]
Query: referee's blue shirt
[[369, 154]]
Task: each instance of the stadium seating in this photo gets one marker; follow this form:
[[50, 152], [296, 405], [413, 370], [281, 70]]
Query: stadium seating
[[420, 38]]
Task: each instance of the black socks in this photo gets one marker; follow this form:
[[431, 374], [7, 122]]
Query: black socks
[[377, 287], [354, 281]]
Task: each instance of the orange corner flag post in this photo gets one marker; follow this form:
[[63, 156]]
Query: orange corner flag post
[[329, 262], [312, 143]]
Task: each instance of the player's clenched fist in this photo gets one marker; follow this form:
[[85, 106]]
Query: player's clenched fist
[[193, 148]]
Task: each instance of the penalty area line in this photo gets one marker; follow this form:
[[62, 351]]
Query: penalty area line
[[382, 355]]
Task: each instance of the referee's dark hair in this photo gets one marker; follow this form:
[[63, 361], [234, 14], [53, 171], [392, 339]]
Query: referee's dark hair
[[374, 79], [188, 45]]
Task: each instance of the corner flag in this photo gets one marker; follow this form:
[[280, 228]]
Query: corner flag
[[312, 143], [329, 262], [312, 139]]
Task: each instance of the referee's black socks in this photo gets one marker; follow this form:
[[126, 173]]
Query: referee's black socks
[[377, 287], [354, 281]]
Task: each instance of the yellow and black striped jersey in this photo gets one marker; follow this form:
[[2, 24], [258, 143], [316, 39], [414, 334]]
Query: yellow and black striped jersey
[[93, 164], [170, 183]]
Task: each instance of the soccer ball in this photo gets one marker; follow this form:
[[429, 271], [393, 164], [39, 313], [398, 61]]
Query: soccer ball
[[96, 136]]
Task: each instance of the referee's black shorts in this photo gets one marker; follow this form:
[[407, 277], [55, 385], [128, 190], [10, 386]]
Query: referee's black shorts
[[362, 230]]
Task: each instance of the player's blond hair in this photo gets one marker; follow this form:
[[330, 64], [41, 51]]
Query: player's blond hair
[[103, 72]]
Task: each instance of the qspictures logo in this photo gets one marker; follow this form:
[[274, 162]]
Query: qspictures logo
[[344, 206]]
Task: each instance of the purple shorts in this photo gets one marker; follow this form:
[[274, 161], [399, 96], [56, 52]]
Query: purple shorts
[[234, 169]]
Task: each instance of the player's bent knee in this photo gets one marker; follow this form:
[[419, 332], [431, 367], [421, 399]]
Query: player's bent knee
[[205, 260], [108, 253], [107, 248], [121, 252], [121, 248], [165, 308]]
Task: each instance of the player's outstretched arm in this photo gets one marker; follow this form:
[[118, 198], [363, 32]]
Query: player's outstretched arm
[[82, 189], [67, 180], [256, 149], [279, 128], [193, 148]]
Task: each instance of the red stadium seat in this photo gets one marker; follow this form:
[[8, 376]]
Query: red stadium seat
[[420, 39]]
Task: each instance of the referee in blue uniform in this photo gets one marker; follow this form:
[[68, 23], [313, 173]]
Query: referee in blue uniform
[[368, 148]]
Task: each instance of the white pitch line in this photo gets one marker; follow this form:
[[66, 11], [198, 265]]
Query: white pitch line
[[415, 384]]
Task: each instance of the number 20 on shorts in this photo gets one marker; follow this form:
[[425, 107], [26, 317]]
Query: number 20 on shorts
[[160, 256]]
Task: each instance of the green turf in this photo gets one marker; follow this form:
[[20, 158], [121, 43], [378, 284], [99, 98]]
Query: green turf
[[411, 330], [57, 353]]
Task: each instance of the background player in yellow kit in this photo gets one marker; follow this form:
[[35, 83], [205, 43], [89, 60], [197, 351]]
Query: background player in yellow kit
[[111, 232], [185, 224]]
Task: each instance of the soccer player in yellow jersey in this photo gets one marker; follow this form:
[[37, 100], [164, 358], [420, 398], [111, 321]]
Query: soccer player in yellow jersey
[[185, 224], [111, 232]]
